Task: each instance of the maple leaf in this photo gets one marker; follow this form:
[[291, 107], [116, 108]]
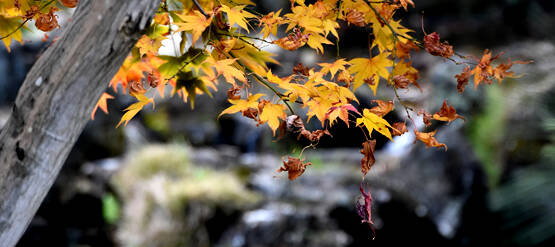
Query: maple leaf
[[330, 26], [364, 208], [406, 70], [102, 104], [271, 114], [368, 160], [483, 71], [365, 68], [374, 122], [356, 18], [462, 79], [292, 41], [236, 15], [148, 45], [270, 23], [195, 22], [405, 3], [313, 136], [8, 25], [383, 108], [254, 59], [191, 84], [399, 128], [242, 105], [447, 113], [433, 46], [429, 139], [501, 71], [384, 38], [341, 112], [294, 167], [403, 49], [225, 67], [333, 68], [133, 109]]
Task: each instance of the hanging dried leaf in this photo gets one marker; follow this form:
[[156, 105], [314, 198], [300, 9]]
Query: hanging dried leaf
[[426, 117], [356, 18], [462, 79], [364, 208], [294, 167], [233, 93], [399, 128], [433, 46], [368, 160], [293, 41], [403, 49], [383, 108], [447, 113], [301, 69], [313, 136], [429, 139]]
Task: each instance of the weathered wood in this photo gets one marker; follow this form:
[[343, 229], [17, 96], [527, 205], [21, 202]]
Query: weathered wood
[[54, 103]]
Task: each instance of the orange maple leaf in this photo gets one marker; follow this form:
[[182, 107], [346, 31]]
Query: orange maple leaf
[[102, 104], [429, 139], [447, 113]]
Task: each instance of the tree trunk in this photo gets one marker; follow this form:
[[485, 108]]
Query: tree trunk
[[54, 103]]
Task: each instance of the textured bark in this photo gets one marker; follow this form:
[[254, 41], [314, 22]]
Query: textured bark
[[54, 103]]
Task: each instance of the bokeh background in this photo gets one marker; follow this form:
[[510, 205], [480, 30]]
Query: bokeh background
[[181, 177]]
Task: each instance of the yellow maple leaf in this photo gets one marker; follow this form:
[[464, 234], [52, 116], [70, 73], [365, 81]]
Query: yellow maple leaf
[[195, 22], [253, 58], [236, 15], [315, 41], [102, 104], [384, 38], [330, 26], [11, 27], [271, 114], [270, 23], [225, 67], [333, 68], [241, 104], [374, 122], [370, 69], [133, 109], [304, 17], [148, 45]]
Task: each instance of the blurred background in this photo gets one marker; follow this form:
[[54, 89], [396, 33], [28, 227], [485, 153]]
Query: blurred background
[[181, 177]]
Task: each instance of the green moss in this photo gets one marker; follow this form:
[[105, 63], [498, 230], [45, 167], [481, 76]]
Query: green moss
[[110, 208], [486, 133]]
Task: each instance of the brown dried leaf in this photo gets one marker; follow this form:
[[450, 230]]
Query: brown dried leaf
[[399, 128], [368, 160], [429, 139], [433, 46], [313, 136], [301, 69], [356, 18], [462, 79], [426, 117], [447, 113], [383, 107], [404, 49], [294, 167], [233, 93]]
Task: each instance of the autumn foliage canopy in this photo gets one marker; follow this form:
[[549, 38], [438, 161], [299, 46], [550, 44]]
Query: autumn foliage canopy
[[224, 41]]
